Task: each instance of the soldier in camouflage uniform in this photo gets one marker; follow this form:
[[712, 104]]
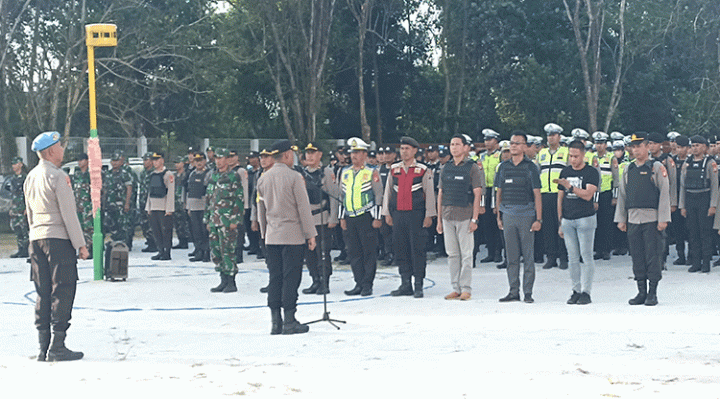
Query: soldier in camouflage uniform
[[223, 215], [18, 217], [81, 188], [181, 219], [117, 198], [133, 214], [144, 222], [210, 152]]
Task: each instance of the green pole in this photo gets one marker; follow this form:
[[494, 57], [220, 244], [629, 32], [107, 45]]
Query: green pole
[[97, 236]]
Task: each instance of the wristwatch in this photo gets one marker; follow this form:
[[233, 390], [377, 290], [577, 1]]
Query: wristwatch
[[539, 221], [571, 189], [474, 221]]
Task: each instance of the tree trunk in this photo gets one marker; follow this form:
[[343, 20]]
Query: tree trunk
[[376, 89]]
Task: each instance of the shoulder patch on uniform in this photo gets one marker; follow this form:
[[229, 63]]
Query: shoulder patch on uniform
[[664, 171], [171, 178], [714, 167]]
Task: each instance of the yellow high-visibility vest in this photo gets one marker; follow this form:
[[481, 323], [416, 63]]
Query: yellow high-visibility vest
[[550, 167]]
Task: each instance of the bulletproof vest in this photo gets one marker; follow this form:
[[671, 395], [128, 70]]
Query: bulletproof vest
[[678, 166], [516, 184], [313, 184], [157, 187], [640, 191], [696, 176], [384, 173], [196, 184], [457, 184]]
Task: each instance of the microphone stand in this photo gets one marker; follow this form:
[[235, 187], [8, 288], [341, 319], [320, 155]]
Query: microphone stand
[[324, 276]]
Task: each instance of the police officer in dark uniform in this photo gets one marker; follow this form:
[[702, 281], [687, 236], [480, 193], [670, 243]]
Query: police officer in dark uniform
[[435, 241], [409, 206], [160, 205], [386, 243], [319, 184], [253, 236], [643, 210], [679, 230], [197, 183], [698, 200], [56, 241]]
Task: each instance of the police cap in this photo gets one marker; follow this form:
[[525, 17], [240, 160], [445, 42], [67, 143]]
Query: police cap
[[655, 137], [20, 160]]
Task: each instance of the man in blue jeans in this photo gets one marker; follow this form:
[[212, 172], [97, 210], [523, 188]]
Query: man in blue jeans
[[577, 188]]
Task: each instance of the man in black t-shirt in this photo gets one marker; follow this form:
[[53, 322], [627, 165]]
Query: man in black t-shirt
[[577, 188]]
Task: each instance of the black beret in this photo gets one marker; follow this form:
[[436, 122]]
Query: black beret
[[698, 139], [82, 156], [409, 141], [682, 141], [656, 137]]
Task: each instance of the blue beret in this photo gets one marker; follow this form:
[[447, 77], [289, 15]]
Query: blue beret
[[45, 140]]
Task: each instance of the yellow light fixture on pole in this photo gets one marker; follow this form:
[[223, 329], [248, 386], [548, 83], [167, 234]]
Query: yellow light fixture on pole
[[97, 35]]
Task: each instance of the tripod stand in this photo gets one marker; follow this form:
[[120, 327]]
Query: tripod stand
[[324, 275]]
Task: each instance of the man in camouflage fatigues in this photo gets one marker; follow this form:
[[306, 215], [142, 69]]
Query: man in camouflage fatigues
[[81, 188], [144, 221], [223, 215], [18, 217], [181, 219], [133, 215], [117, 198]]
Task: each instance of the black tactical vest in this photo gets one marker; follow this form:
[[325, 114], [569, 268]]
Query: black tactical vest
[[457, 184], [516, 184], [313, 184], [696, 176], [640, 191], [157, 187], [196, 184]]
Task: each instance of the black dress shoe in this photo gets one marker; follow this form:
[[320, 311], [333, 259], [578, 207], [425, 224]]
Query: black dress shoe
[[605, 256], [502, 265], [679, 261], [528, 298], [510, 298], [487, 259], [563, 264], [366, 292], [355, 291], [264, 290], [157, 256]]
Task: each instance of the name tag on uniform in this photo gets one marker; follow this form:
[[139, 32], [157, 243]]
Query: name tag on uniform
[[508, 181], [459, 177], [643, 173]]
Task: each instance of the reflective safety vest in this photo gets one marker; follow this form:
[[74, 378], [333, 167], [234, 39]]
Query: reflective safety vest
[[550, 167], [590, 158], [357, 187], [490, 163], [606, 181]]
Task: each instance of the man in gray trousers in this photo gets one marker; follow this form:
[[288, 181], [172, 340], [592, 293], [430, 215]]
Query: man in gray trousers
[[519, 215]]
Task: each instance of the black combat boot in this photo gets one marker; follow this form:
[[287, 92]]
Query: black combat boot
[[313, 287], [706, 265], [642, 293], [651, 299], [58, 352], [551, 262], [292, 326], [21, 253], [324, 287], [199, 255], [230, 287], [165, 255], [44, 339], [405, 288], [158, 256], [183, 244], [264, 289], [681, 259], [223, 283], [150, 248], [389, 259], [277, 322], [418, 289]]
